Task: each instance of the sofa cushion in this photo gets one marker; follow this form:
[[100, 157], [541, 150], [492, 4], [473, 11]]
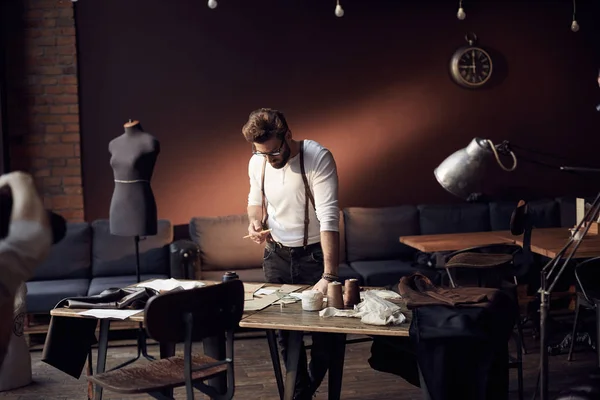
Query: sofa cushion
[[97, 285], [454, 218], [115, 255], [42, 296], [500, 214], [374, 233], [545, 213], [221, 243], [345, 271], [389, 272], [71, 257], [342, 258]]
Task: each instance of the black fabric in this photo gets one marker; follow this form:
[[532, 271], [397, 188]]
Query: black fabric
[[465, 350], [68, 342], [462, 351], [134, 298]]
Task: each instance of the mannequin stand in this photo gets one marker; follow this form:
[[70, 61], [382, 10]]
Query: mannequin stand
[[142, 348]]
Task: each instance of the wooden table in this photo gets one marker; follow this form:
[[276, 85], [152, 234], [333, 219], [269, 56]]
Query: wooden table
[[297, 321], [166, 349], [544, 241], [456, 241], [549, 242]]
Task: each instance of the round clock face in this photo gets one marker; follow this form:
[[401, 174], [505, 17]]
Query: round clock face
[[471, 67]]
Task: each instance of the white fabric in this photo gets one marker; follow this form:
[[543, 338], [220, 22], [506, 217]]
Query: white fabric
[[15, 372], [373, 310], [284, 190]]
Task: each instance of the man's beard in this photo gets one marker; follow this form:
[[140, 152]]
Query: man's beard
[[285, 156]]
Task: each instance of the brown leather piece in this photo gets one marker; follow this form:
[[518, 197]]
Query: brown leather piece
[[417, 290]]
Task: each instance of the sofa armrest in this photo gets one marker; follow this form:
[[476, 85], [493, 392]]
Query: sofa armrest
[[185, 259]]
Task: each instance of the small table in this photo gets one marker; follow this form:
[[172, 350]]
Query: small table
[[292, 318]]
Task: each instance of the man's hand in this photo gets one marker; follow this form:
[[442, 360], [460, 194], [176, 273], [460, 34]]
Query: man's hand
[[321, 286], [27, 204], [256, 233]]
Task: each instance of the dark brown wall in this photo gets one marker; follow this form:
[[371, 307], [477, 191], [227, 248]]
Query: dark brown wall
[[372, 86]]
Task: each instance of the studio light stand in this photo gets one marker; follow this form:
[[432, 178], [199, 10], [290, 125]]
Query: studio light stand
[[142, 346], [461, 174], [550, 275]]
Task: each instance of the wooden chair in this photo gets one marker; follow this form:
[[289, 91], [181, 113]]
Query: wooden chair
[[184, 316]]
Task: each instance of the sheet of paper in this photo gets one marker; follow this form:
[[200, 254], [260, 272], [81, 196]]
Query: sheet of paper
[[164, 285], [116, 314], [263, 292], [250, 289], [268, 297], [258, 303]]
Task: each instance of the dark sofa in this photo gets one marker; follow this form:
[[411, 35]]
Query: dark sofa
[[370, 249], [89, 260]]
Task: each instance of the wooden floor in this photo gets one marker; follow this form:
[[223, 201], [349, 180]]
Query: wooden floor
[[255, 380]]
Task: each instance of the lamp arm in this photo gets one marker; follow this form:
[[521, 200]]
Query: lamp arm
[[507, 148]]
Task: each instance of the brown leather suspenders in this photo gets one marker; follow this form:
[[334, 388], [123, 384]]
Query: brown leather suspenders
[[308, 195], [307, 192]]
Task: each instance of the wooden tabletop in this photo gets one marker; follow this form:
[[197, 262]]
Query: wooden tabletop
[[550, 241], [139, 317], [457, 241], [293, 318]]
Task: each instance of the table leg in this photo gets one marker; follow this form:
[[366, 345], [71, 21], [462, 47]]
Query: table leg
[[102, 350], [273, 349], [167, 350], [336, 365], [291, 365]]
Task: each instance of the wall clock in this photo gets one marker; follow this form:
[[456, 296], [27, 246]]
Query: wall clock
[[470, 65]]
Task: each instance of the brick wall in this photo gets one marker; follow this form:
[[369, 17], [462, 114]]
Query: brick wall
[[42, 102]]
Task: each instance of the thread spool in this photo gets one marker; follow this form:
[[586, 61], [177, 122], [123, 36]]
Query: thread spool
[[334, 295], [312, 300], [352, 293]]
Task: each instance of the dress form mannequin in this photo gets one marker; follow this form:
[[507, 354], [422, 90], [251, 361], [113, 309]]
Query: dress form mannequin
[[133, 156], [133, 208]]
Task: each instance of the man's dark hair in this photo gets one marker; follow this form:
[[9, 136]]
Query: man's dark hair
[[264, 124]]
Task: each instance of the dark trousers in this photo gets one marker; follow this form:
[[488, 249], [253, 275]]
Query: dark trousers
[[296, 265]]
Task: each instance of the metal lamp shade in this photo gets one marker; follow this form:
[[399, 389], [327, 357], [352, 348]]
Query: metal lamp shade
[[462, 172]]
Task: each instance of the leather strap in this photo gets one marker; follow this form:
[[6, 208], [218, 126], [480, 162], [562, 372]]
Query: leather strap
[[265, 213], [307, 194]]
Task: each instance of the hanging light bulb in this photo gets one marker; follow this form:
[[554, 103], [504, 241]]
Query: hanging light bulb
[[574, 24], [461, 14], [339, 11], [212, 4]]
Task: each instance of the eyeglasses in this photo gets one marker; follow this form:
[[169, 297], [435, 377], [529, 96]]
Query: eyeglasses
[[273, 153]]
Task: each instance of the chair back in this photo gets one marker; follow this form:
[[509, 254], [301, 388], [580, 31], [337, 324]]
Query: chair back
[[587, 274], [214, 309]]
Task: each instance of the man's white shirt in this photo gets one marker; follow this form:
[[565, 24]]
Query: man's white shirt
[[284, 190]]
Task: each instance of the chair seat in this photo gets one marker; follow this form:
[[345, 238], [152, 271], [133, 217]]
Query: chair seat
[[155, 375], [478, 260]]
